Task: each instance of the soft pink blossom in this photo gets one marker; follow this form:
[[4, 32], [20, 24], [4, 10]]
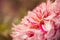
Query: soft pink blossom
[[40, 24]]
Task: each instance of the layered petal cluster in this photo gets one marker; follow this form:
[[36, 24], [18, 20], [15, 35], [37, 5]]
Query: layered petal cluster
[[41, 23]]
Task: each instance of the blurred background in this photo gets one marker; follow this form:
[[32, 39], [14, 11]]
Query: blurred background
[[11, 11]]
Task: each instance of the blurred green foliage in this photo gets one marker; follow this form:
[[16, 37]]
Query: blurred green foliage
[[11, 11]]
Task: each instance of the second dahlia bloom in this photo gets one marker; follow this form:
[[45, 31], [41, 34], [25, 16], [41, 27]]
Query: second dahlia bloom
[[42, 23]]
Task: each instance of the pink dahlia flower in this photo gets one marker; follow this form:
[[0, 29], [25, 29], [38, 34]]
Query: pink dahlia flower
[[42, 23]]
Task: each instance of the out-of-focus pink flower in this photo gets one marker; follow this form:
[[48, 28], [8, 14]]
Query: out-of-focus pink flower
[[40, 23]]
